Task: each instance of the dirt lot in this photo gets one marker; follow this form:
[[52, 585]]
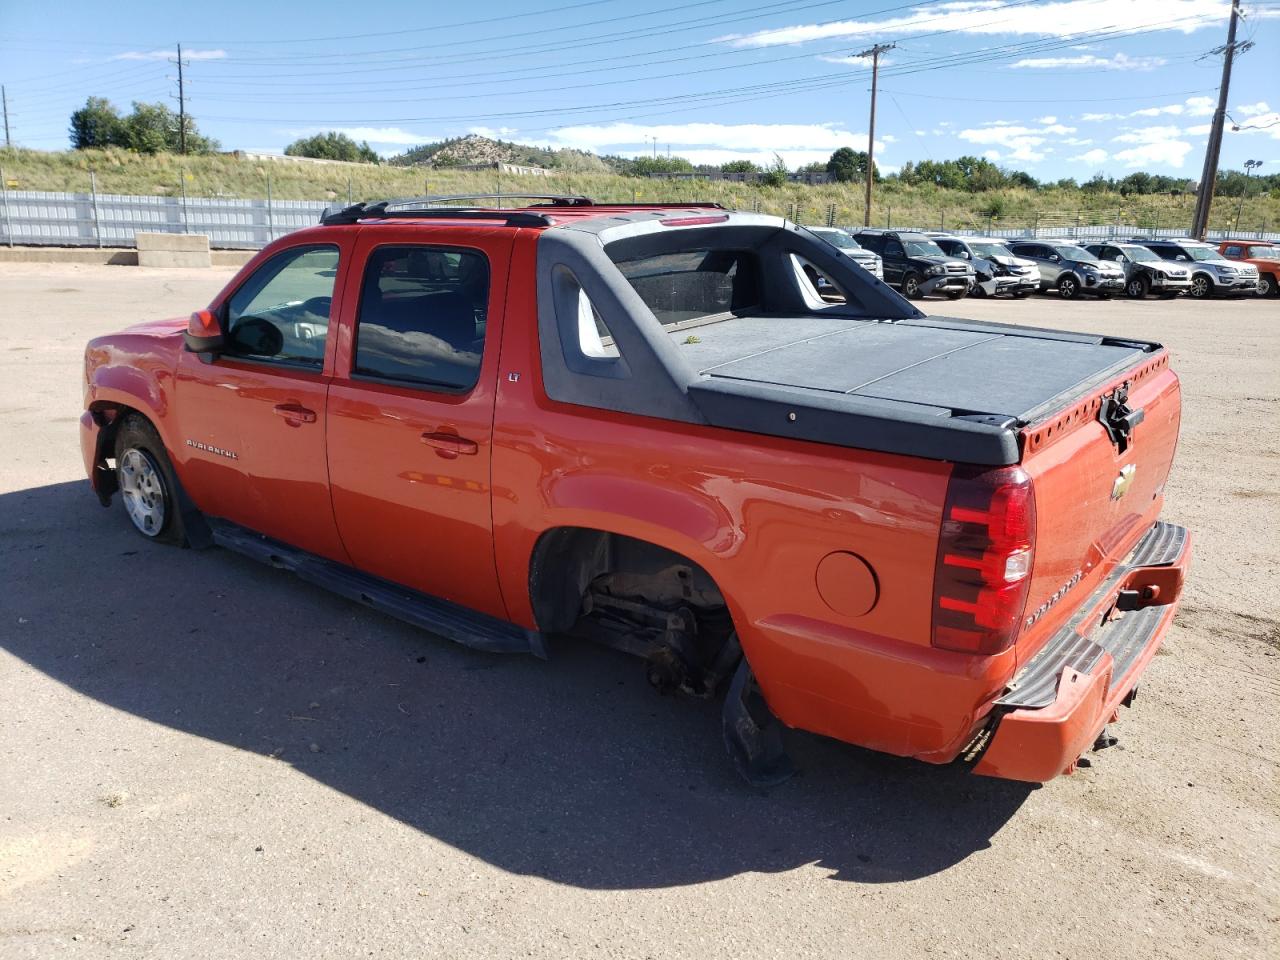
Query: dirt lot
[[203, 757]]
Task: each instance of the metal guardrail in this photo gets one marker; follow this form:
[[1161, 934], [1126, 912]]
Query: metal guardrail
[[32, 217]]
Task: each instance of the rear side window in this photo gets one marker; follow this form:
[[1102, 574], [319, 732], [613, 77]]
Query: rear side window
[[422, 316], [690, 284]]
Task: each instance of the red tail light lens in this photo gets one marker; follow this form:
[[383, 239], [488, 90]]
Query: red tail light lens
[[983, 570]]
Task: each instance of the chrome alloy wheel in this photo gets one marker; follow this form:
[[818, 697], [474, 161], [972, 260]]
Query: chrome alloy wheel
[[143, 490]]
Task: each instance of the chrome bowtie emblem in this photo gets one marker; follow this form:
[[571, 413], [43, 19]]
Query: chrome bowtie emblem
[[1123, 481]]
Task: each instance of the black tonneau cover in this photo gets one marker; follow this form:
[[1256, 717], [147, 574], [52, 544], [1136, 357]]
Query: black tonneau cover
[[931, 386]]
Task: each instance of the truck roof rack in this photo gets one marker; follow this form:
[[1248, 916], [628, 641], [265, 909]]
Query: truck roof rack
[[462, 207]]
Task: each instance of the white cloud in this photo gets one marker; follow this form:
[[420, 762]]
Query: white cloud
[[1087, 60], [992, 155], [1253, 109], [1199, 130], [742, 136], [1021, 143], [1049, 120], [493, 133], [1200, 106], [856, 61], [1170, 152], [996, 18], [389, 136], [1099, 117], [1174, 109], [1077, 141], [1153, 145], [1091, 157], [716, 143], [170, 55], [921, 133]]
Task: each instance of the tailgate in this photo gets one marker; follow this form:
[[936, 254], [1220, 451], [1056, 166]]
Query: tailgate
[[1096, 494]]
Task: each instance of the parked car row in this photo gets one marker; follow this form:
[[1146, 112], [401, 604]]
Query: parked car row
[[920, 264]]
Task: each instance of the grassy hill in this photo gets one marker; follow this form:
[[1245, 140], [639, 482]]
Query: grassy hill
[[924, 206]]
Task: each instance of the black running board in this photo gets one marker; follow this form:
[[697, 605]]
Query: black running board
[[449, 620]]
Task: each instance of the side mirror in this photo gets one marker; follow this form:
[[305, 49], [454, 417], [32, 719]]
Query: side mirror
[[1183, 257], [966, 254], [1118, 258], [204, 334], [1055, 258]]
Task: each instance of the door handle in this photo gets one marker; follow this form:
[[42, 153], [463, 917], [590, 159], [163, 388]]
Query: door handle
[[295, 413], [449, 445]]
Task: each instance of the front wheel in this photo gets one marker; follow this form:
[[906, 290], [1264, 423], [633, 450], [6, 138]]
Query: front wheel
[[1068, 287], [1267, 285], [147, 483], [1201, 287], [1137, 288], [911, 287]]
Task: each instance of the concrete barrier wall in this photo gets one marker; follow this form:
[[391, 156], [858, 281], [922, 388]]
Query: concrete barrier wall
[[113, 220], [172, 250]]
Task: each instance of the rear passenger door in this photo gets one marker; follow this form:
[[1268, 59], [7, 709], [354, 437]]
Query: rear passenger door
[[411, 410], [895, 261]]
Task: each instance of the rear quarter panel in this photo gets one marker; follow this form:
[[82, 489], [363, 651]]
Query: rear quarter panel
[[758, 514]]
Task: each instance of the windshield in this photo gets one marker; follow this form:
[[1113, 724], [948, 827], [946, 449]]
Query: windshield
[[1075, 253], [990, 250], [1139, 254], [1201, 253], [838, 238], [922, 248], [1265, 253]]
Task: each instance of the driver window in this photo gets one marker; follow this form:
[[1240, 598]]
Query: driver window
[[892, 248], [281, 313]]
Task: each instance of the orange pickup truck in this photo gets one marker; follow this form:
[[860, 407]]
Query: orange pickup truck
[[650, 426]]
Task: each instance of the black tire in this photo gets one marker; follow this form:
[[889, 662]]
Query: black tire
[[911, 287], [1068, 287], [1137, 288], [1173, 295], [148, 486], [956, 294], [978, 291], [1201, 287], [1022, 294], [1267, 286]]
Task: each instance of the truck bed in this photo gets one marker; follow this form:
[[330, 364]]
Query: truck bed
[[931, 386]]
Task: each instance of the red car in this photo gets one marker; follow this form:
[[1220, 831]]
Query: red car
[[651, 427], [1263, 255]]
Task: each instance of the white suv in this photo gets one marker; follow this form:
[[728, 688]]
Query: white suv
[[1211, 273]]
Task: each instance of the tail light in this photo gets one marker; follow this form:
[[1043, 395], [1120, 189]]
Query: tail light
[[983, 570]]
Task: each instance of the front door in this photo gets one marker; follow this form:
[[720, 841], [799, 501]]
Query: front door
[[411, 412], [252, 421]]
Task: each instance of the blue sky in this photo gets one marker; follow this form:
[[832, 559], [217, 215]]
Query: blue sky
[[1055, 87]]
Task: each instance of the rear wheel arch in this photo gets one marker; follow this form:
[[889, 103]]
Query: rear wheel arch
[[565, 560]]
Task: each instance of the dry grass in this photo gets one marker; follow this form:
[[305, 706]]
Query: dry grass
[[122, 172]]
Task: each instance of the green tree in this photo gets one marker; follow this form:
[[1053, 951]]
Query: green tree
[[332, 146], [847, 165], [739, 166], [775, 174], [97, 124], [643, 166]]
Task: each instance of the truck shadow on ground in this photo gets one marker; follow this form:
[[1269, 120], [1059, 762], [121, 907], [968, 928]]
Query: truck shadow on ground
[[573, 770]]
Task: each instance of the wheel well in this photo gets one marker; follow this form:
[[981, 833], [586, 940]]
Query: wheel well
[[567, 560], [108, 415]]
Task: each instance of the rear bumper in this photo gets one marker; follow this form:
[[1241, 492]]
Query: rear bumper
[[1057, 705], [947, 283]]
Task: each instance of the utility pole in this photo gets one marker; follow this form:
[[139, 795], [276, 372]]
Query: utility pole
[[4, 98], [182, 107], [1209, 176], [874, 54]]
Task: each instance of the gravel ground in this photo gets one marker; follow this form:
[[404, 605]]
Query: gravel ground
[[204, 757]]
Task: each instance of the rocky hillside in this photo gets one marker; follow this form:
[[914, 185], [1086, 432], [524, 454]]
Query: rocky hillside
[[475, 149]]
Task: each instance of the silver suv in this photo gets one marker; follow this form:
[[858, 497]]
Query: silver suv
[[1211, 273], [844, 241], [1069, 269], [996, 269]]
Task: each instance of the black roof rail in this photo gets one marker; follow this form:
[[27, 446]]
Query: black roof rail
[[390, 209]]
